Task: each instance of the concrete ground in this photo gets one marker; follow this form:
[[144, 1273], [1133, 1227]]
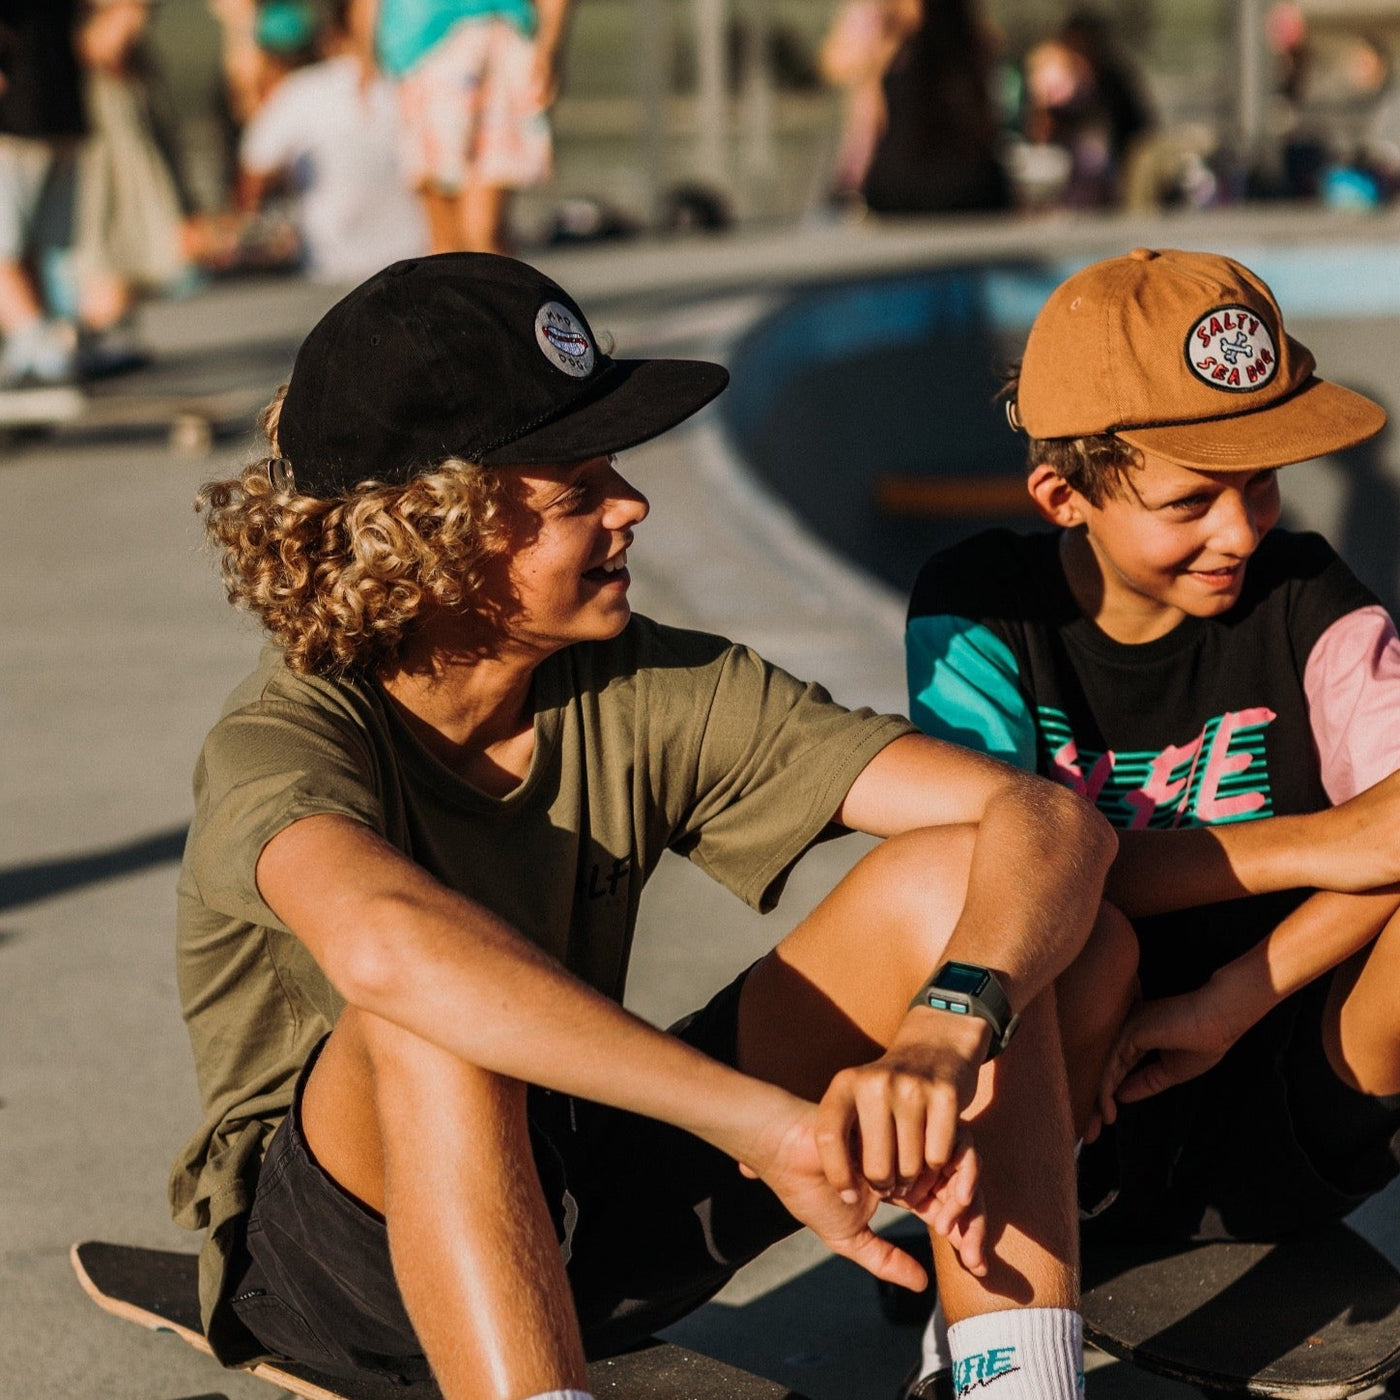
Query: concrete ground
[[118, 651]]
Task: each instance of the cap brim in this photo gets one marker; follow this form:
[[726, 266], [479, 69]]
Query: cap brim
[[1320, 418], [633, 401]]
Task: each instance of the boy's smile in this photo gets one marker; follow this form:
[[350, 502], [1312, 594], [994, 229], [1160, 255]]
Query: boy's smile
[[569, 581], [1173, 543]]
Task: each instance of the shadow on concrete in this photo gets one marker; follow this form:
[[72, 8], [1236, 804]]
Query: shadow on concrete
[[820, 1333], [23, 884]]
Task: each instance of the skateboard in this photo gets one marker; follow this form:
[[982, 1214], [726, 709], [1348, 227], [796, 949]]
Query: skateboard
[[158, 1289], [1315, 1316], [191, 422]]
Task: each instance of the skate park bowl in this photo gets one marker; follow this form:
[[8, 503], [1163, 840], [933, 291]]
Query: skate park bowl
[[869, 407]]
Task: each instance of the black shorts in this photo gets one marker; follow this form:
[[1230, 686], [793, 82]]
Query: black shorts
[[651, 1222], [1268, 1142]]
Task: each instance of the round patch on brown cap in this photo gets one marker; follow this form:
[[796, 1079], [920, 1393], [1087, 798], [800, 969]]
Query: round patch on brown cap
[[1232, 348]]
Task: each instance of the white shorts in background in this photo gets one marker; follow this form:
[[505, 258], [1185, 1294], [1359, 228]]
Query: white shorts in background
[[468, 111]]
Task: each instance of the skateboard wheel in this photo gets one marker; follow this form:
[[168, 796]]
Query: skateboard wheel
[[191, 435]]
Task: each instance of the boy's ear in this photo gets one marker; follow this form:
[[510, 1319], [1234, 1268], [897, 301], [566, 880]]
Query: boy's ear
[[1055, 499]]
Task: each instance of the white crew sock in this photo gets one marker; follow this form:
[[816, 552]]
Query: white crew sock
[[935, 1353], [1019, 1354]]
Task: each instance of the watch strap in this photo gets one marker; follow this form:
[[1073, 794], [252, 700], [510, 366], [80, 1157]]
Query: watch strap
[[947, 991]]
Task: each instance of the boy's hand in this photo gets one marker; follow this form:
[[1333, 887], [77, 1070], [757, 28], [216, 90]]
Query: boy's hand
[[893, 1127], [1164, 1042], [841, 1219], [842, 1222]]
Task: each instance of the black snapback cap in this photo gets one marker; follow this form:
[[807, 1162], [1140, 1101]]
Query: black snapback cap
[[469, 355]]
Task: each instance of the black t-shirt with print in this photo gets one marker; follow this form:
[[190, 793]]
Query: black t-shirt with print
[[1207, 724]]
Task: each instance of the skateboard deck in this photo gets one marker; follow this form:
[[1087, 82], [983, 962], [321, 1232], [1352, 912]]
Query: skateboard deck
[[1313, 1317], [191, 422], [158, 1289]]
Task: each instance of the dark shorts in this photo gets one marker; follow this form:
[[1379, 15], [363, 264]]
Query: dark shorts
[[1268, 1142], [651, 1222]]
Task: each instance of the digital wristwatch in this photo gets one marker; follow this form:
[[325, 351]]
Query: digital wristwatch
[[964, 989]]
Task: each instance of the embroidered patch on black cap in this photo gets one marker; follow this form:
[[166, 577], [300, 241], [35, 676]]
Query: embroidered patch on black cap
[[564, 339], [1232, 348]]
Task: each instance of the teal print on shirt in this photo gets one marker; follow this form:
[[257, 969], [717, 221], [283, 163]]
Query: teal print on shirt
[[1222, 775]]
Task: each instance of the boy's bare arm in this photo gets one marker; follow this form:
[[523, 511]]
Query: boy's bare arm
[[1347, 849], [1039, 858], [397, 944], [1186, 1035]]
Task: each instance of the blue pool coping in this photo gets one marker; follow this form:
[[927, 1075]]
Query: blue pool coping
[[831, 323]]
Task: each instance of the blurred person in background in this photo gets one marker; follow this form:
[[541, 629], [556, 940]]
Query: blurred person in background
[[1335, 119], [42, 123], [1380, 142], [921, 133], [476, 79], [133, 237], [1084, 96], [247, 79], [329, 136]]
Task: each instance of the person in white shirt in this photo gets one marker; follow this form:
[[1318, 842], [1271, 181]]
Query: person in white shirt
[[330, 135]]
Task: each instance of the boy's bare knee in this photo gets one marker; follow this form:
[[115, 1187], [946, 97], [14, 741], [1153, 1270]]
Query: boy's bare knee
[[917, 883]]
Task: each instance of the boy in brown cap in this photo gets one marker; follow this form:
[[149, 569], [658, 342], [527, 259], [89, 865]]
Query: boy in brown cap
[[1224, 692]]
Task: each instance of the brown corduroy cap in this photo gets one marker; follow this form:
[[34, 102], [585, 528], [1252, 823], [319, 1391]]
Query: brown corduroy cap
[[1183, 355]]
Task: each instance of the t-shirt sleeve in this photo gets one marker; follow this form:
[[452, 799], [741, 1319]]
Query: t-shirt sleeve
[[1352, 682], [1344, 649], [263, 768], [964, 678], [964, 687], [776, 758]]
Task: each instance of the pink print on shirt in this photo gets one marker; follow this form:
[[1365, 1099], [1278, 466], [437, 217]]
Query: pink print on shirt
[[1221, 776]]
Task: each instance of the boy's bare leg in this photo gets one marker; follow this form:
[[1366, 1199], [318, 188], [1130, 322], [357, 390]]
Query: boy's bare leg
[[472, 1243], [1361, 1027], [834, 992], [1093, 997]]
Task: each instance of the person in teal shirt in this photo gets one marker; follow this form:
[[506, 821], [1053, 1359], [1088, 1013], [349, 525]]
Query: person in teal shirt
[[476, 79]]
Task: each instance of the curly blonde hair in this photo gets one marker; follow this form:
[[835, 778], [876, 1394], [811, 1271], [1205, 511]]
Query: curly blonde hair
[[340, 583]]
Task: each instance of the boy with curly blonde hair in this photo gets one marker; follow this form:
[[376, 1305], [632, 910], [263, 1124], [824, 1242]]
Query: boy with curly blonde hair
[[434, 1141]]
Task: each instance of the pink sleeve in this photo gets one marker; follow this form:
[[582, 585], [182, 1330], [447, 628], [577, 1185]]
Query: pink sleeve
[[1352, 683]]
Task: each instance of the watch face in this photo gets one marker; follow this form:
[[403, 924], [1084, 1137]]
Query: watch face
[[960, 977]]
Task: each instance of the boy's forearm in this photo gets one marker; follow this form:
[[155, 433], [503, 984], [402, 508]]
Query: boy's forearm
[[1156, 872], [1320, 934], [1039, 856], [396, 943], [1034, 888], [1351, 848], [504, 1005]]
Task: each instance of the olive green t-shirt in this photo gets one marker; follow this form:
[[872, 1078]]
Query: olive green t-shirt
[[659, 739]]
